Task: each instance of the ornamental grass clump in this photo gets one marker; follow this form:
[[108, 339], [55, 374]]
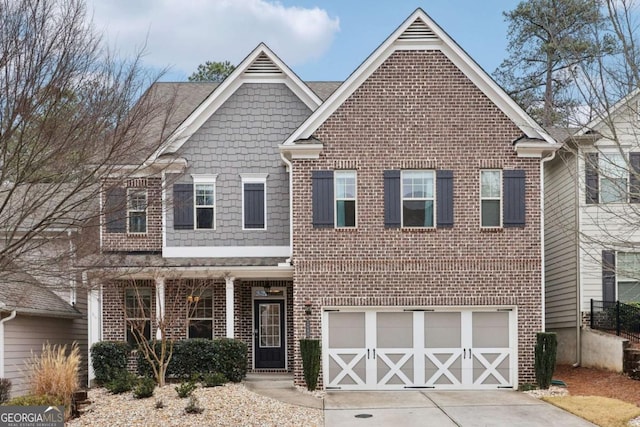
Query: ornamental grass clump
[[55, 372]]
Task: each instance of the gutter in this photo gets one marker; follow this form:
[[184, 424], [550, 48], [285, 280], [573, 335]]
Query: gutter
[[2, 322], [290, 168], [542, 228]]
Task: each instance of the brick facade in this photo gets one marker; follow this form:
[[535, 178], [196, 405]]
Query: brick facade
[[418, 111], [151, 241]]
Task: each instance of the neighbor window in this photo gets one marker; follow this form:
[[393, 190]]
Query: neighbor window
[[137, 210], [418, 198], [614, 175], [200, 314], [490, 198], [137, 303], [205, 205], [345, 194], [628, 273]]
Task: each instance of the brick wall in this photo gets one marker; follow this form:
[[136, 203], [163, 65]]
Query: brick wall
[[418, 111], [151, 241]]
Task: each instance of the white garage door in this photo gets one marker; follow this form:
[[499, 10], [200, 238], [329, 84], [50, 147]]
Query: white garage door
[[395, 350]]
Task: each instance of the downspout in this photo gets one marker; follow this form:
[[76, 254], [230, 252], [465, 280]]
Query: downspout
[[290, 168], [578, 221], [2, 322], [542, 228]]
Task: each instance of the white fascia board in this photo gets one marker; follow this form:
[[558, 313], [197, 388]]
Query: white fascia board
[[225, 252], [238, 272], [229, 86], [534, 149], [302, 151], [451, 49]]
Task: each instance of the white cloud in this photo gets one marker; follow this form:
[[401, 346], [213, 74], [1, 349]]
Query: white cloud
[[185, 33]]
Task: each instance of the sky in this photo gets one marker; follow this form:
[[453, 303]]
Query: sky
[[320, 40]]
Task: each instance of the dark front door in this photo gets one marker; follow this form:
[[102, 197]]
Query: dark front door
[[269, 333]]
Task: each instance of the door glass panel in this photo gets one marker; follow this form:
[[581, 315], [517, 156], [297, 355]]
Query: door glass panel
[[442, 330], [346, 330], [490, 329], [269, 325]]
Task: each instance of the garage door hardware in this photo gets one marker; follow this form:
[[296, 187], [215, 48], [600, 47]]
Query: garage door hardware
[[374, 353], [465, 353], [418, 309]]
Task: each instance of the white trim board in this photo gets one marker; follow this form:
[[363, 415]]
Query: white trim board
[[225, 251]]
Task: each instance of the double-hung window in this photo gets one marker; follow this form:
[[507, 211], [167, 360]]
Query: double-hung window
[[137, 303], [205, 205], [614, 173], [136, 210], [200, 314], [491, 198], [254, 201], [418, 198], [628, 274], [345, 199]]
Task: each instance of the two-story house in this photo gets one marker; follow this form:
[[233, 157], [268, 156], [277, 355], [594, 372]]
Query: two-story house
[[399, 220], [592, 205]]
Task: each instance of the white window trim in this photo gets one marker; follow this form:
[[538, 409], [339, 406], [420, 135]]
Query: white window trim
[[139, 294], [205, 179], [336, 199], [625, 158], [500, 208], [625, 279], [208, 292], [402, 198], [146, 214], [254, 178]]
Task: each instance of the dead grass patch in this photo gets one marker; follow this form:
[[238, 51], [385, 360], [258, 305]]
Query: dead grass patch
[[602, 411]]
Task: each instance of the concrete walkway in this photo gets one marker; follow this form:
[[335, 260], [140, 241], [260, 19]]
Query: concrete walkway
[[418, 408]]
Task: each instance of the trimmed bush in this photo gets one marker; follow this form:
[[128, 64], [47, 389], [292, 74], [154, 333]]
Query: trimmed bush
[[185, 389], [545, 358], [109, 358], [213, 379], [35, 400], [144, 388], [198, 356], [310, 351], [5, 389], [122, 383]]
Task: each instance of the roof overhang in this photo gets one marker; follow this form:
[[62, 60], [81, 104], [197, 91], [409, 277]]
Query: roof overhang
[[301, 151], [284, 271], [534, 148]]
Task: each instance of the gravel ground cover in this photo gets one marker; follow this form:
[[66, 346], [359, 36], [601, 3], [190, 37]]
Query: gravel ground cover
[[230, 405]]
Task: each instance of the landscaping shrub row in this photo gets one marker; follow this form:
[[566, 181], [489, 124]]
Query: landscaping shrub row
[[191, 357]]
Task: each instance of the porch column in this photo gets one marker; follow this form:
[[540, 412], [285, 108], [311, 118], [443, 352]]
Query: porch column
[[229, 305], [159, 305]]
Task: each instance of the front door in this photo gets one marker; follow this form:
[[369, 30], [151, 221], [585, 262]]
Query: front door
[[269, 332]]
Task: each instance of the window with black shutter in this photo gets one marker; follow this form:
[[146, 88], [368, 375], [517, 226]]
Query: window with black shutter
[[514, 198], [254, 205], [115, 210], [322, 200], [183, 206]]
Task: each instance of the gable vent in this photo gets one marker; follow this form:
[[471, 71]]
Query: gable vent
[[418, 31], [263, 65]]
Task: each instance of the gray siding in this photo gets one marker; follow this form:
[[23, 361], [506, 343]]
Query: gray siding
[[560, 241], [25, 334], [242, 136]]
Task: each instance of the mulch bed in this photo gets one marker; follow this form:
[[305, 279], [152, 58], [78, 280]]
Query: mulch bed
[[594, 382]]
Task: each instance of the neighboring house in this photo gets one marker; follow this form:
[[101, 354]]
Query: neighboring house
[[592, 201], [399, 221], [32, 314]]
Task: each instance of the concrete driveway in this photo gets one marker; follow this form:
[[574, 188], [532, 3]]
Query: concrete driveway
[[443, 408]]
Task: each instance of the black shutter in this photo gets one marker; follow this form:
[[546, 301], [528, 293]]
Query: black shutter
[[634, 177], [608, 276], [253, 205], [514, 209], [183, 206], [115, 210], [444, 198], [591, 177], [322, 198], [392, 199]]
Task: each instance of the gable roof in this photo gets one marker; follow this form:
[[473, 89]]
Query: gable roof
[[260, 66], [594, 124], [419, 31]]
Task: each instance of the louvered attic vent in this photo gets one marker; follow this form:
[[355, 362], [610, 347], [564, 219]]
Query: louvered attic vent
[[418, 31], [263, 65]]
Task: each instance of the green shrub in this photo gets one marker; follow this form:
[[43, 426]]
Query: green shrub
[[144, 388], [199, 356], [159, 404], [193, 407], [310, 351], [109, 358], [36, 400], [122, 383], [185, 389], [213, 379], [5, 389], [545, 358]]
